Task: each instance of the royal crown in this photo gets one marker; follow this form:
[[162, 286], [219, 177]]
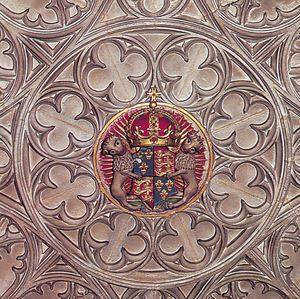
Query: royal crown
[[152, 126]]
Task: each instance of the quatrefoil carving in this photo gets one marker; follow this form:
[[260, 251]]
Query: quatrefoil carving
[[188, 239], [114, 246], [116, 69], [64, 123]]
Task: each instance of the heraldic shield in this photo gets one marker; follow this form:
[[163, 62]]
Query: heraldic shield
[[153, 186], [153, 158]]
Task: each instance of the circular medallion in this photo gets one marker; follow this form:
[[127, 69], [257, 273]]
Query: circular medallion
[[153, 159]]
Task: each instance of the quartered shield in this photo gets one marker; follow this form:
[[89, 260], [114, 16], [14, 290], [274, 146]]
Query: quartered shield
[[153, 187]]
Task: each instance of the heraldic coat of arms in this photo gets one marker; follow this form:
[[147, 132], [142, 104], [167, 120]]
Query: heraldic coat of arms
[[153, 158]]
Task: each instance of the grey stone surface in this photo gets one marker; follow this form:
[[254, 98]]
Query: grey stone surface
[[67, 67]]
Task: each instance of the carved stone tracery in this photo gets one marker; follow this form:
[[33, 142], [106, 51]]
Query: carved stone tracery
[[66, 68]]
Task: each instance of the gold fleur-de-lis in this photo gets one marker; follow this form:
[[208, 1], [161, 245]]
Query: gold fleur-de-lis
[[164, 194], [159, 184], [169, 185], [148, 154], [143, 167]]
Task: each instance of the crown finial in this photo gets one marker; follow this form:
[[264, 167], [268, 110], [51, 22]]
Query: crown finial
[[153, 94]]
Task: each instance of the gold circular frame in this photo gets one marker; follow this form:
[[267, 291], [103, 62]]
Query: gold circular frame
[[169, 212]]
